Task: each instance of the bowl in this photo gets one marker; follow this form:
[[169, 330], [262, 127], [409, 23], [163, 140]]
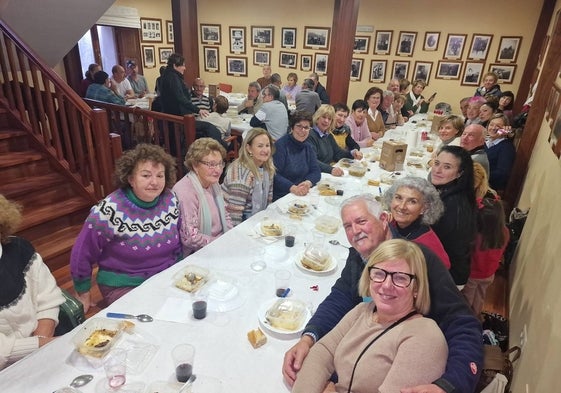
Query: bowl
[[97, 336], [357, 170]]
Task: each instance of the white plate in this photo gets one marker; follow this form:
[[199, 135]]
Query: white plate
[[203, 384], [285, 207], [257, 230], [129, 387], [262, 316], [332, 265], [224, 294]]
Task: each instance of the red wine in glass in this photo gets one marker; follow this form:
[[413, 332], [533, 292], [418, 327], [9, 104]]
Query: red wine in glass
[[183, 372]]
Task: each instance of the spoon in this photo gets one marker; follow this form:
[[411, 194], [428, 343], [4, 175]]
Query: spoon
[[336, 243], [81, 380], [188, 383], [140, 317]]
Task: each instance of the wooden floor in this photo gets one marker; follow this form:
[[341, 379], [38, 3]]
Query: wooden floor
[[496, 300]]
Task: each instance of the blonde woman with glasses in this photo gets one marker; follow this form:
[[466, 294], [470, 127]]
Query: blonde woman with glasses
[[203, 212]]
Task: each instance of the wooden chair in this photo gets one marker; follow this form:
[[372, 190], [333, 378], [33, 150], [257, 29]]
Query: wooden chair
[[235, 140]]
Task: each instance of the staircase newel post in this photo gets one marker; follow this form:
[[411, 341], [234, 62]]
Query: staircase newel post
[[101, 149]]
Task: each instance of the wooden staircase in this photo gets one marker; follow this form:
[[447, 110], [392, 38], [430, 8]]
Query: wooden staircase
[[54, 209]]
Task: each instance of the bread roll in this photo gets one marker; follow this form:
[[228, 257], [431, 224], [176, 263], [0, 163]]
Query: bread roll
[[256, 338]]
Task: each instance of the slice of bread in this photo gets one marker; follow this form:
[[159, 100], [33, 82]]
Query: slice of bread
[[256, 338]]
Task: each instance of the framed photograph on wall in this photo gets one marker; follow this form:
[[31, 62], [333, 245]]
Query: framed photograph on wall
[[306, 62], [320, 63], [237, 39], [316, 37], [378, 71], [236, 66], [356, 69], [472, 73], [400, 69], [480, 44], [406, 43], [262, 36], [151, 30], [164, 54], [505, 72], [508, 49], [448, 69], [261, 57], [288, 59], [288, 37], [431, 40], [455, 46], [422, 71], [212, 63], [362, 43], [169, 32], [383, 42], [149, 56], [211, 34]]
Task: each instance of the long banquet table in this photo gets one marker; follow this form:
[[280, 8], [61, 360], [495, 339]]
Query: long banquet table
[[224, 360]]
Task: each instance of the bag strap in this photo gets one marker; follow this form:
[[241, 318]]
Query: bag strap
[[516, 350], [414, 312]]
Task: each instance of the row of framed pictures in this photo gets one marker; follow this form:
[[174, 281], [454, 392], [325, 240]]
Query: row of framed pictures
[[149, 58], [470, 72], [264, 37], [151, 30], [454, 49]]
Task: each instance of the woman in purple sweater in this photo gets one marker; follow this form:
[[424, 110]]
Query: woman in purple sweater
[[133, 233]]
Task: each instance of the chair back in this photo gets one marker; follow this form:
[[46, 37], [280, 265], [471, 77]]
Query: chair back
[[226, 88], [71, 314]]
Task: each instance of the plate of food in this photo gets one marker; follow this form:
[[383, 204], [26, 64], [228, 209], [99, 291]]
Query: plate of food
[[345, 162], [284, 316], [98, 335], [315, 260], [191, 279], [269, 228], [297, 207], [327, 189]]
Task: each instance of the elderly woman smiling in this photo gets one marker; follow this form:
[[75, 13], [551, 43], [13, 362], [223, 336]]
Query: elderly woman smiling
[[200, 198], [415, 205], [248, 185], [133, 233], [408, 349]]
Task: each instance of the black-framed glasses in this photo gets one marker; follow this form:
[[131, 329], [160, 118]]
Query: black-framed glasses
[[302, 127], [399, 279], [213, 165]]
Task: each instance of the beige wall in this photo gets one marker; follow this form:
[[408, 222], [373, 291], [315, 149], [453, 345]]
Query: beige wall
[[536, 272]]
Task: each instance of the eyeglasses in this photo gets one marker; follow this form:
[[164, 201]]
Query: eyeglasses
[[399, 279], [301, 127], [213, 165]]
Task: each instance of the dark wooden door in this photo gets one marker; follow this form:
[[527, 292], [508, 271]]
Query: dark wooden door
[[127, 41]]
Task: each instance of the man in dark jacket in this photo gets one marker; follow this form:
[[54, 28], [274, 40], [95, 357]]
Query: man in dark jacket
[[366, 226], [318, 88]]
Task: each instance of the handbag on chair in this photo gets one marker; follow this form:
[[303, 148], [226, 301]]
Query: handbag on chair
[[71, 314]]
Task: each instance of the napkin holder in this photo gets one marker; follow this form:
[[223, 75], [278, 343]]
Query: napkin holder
[[393, 155]]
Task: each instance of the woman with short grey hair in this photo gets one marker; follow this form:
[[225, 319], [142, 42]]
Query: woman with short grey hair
[[415, 205]]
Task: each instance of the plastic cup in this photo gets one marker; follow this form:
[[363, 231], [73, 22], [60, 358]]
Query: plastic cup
[[115, 366], [200, 300], [258, 259], [183, 356], [289, 235], [282, 282]]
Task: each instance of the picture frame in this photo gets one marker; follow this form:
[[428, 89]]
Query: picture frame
[[151, 30], [262, 36], [320, 63], [306, 62], [169, 32], [400, 69], [149, 56], [479, 48], [237, 39], [406, 43], [288, 59], [422, 71], [432, 39], [448, 69], [508, 49], [378, 71], [316, 37], [211, 34], [383, 42], [164, 54], [505, 72], [212, 60], [362, 44], [356, 69], [454, 46], [236, 65], [261, 57], [473, 71], [288, 37]]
